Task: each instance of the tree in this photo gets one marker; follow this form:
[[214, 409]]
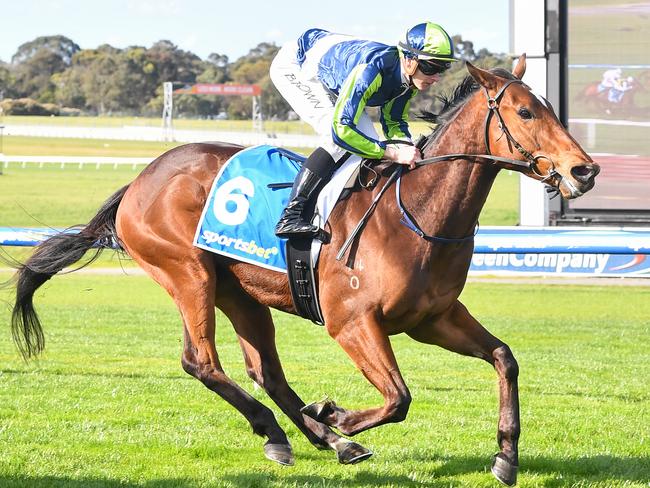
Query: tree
[[110, 80], [173, 64], [254, 68], [61, 46], [135, 79], [5, 81], [36, 61], [216, 69], [464, 49], [91, 80]]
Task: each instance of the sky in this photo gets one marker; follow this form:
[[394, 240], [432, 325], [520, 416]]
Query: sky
[[233, 28]]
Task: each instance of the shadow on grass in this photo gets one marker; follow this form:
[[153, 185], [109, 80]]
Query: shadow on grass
[[64, 482], [363, 478], [598, 468], [560, 471], [548, 472]]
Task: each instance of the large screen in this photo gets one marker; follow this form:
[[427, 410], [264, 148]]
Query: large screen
[[608, 54]]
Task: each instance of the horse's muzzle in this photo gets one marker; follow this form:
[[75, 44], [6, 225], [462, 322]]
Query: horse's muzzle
[[584, 178], [585, 173]]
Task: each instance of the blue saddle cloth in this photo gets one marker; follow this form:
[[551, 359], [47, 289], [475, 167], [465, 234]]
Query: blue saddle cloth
[[240, 214]]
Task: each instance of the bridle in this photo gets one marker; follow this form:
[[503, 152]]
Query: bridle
[[530, 164], [493, 109]]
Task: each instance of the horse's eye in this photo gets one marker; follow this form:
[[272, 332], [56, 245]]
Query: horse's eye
[[524, 113]]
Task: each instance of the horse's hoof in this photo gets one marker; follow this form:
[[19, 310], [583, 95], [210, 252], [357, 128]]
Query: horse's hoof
[[319, 410], [504, 470], [352, 453], [280, 453]]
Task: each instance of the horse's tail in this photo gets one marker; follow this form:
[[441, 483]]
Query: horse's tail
[[50, 257]]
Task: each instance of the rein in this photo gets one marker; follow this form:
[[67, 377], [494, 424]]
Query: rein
[[507, 163], [530, 164]]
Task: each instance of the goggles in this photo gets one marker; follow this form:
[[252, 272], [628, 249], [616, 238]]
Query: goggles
[[433, 67]]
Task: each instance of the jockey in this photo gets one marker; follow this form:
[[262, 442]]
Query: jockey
[[619, 88], [610, 78], [329, 79]]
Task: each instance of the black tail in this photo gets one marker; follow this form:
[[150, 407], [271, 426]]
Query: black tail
[[50, 257]]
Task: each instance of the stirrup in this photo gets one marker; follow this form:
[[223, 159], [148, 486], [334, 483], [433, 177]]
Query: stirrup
[[319, 234], [322, 236]]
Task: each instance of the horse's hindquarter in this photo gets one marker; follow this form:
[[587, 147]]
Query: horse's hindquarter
[[160, 210], [162, 207]]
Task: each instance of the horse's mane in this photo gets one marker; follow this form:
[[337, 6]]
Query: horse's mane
[[452, 104]]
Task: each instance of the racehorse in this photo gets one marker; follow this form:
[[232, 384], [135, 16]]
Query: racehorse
[[599, 99], [380, 290]]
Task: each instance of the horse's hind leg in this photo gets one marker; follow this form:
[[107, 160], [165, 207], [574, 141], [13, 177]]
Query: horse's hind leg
[[254, 327], [159, 238], [459, 332], [192, 286]]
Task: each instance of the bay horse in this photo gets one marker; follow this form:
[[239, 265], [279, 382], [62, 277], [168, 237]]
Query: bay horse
[[591, 95], [384, 291]]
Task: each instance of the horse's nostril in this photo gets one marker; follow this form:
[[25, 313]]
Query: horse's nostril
[[584, 172]]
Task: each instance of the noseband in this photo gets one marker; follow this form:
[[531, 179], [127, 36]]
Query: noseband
[[493, 109], [530, 164]]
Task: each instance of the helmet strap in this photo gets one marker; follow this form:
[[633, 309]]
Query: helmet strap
[[410, 66]]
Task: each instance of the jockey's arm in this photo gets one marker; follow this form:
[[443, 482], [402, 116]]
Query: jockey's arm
[[360, 85], [394, 117]]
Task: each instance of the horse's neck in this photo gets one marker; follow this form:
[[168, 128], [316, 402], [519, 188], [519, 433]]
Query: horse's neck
[[449, 196]]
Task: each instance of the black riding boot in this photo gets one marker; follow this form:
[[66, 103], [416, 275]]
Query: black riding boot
[[312, 176]]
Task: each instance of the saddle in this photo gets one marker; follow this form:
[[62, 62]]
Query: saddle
[[246, 201], [301, 270], [300, 267]]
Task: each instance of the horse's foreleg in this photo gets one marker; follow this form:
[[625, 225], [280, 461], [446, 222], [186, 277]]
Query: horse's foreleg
[[369, 347], [459, 332], [256, 332]]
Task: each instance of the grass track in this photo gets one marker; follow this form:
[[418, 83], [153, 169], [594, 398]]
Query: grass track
[[108, 404]]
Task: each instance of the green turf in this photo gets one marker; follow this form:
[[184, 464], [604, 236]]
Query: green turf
[[270, 126], [294, 127], [61, 146], [108, 404]]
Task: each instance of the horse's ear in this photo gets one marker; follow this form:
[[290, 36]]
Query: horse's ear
[[483, 78], [520, 68]]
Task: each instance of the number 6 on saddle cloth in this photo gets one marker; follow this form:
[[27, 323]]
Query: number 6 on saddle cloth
[[244, 204]]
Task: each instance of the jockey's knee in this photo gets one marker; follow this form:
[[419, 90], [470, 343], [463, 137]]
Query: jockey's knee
[[399, 407]]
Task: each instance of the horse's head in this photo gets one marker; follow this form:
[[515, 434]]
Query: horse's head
[[523, 126]]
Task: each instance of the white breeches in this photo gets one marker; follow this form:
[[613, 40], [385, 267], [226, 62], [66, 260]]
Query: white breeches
[[301, 88]]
